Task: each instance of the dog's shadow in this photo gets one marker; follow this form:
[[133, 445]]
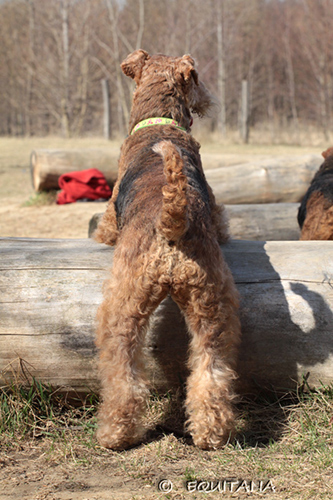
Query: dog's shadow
[[286, 332]]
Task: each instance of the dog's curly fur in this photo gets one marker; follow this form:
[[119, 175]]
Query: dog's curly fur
[[167, 228], [315, 214]]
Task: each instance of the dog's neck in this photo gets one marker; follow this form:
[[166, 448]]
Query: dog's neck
[[149, 122], [165, 103]]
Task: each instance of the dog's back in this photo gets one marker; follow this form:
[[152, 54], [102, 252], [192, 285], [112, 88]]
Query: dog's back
[[164, 189]]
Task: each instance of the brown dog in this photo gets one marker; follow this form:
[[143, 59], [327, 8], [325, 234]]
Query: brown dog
[[167, 228], [315, 214]]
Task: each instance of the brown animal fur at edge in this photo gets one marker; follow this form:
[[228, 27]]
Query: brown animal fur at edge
[[315, 215], [167, 228]]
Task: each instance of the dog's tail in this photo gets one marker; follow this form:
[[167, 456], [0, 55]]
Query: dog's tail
[[173, 222]]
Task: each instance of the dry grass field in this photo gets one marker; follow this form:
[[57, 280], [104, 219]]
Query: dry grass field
[[284, 446], [23, 214]]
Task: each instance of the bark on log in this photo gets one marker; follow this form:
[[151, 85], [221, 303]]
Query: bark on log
[[275, 180], [267, 221], [47, 165], [50, 291]]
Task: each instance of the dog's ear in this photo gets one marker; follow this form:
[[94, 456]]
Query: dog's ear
[[187, 71], [327, 153], [133, 64]]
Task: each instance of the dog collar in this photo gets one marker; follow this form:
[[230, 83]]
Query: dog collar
[[157, 121]]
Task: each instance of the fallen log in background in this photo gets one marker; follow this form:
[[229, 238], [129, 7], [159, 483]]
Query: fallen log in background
[[277, 180], [47, 165], [50, 291], [270, 180], [268, 221]]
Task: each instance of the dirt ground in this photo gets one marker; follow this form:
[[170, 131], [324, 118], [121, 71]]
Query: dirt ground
[[39, 470], [55, 221], [142, 473], [29, 475]]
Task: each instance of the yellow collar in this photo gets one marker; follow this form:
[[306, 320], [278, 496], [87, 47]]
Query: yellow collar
[[157, 121]]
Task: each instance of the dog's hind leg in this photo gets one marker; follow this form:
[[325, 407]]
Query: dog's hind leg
[[123, 317], [210, 313]]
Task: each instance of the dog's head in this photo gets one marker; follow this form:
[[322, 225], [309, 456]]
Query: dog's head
[[167, 85]]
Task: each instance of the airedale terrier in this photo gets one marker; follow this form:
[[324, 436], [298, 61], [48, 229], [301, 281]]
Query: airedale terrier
[[315, 214], [167, 228]]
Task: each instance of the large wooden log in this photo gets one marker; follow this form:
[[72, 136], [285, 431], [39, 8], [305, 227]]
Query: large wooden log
[[267, 221], [50, 291], [47, 165], [275, 180]]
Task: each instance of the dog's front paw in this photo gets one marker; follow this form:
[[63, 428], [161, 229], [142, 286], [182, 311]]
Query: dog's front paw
[[108, 236]]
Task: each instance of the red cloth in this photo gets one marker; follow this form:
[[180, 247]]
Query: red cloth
[[89, 184]]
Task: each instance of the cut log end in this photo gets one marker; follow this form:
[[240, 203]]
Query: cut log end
[[48, 165]]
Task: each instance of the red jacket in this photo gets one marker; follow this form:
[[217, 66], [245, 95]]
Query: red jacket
[[89, 184]]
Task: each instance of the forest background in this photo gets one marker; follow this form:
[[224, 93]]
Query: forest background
[[57, 57]]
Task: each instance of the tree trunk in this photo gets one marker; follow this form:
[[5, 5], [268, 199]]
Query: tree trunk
[[141, 27], [30, 68], [50, 291], [221, 67], [123, 110], [291, 78], [65, 126]]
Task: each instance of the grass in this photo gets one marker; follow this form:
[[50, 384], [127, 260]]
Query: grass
[[40, 199], [35, 411], [15, 176], [278, 440]]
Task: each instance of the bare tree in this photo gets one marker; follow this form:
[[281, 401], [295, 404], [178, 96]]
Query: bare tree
[[221, 66], [290, 72], [65, 69], [54, 55]]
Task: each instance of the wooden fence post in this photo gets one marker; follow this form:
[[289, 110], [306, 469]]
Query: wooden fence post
[[245, 130], [106, 108]]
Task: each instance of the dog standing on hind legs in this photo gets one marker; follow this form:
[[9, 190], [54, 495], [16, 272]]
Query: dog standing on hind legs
[[167, 227]]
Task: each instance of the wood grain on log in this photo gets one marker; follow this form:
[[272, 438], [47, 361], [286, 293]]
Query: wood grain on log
[[264, 222], [48, 165], [276, 180], [267, 221], [50, 291]]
